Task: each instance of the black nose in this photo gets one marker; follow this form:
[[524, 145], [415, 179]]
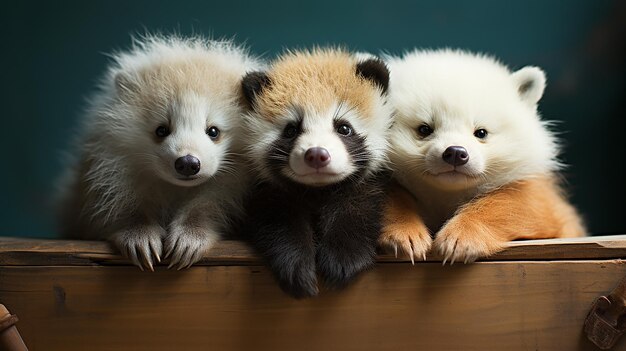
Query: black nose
[[317, 157], [187, 165], [455, 155]]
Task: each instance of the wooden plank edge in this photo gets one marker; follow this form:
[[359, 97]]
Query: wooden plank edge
[[37, 252]]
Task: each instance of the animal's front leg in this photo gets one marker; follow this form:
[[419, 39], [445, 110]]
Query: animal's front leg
[[140, 240], [403, 228], [280, 230], [349, 231], [194, 230], [529, 209]]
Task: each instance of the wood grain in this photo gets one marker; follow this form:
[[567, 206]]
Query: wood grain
[[36, 252], [80, 295], [509, 306]]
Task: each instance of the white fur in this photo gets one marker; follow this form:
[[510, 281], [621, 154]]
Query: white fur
[[319, 131], [126, 186], [457, 92]]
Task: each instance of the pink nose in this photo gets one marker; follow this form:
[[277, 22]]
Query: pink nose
[[317, 157]]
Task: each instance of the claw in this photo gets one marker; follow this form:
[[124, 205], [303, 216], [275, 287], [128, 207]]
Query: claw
[[147, 260], [168, 250], [172, 263], [149, 263], [136, 262], [177, 256], [184, 263], [170, 246], [196, 257], [181, 264], [395, 248], [155, 253], [188, 259]]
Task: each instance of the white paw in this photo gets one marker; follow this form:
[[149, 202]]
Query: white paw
[[185, 245], [140, 244]]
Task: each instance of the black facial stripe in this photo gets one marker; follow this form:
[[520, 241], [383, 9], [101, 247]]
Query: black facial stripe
[[278, 155], [277, 158], [355, 145]]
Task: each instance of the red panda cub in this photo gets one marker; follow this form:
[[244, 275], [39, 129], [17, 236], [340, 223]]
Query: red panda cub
[[317, 141], [468, 144], [156, 171]]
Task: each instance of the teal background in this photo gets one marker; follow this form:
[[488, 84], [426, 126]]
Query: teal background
[[53, 52]]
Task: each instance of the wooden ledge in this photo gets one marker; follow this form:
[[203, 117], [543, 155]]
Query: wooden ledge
[[40, 252], [81, 295]]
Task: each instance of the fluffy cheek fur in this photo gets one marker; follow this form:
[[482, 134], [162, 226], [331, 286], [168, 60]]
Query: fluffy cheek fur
[[519, 148], [260, 135]]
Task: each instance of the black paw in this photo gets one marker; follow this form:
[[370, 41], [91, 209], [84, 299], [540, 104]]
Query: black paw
[[299, 280], [339, 268]]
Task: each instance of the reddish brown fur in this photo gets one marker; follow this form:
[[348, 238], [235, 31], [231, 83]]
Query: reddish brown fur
[[529, 209], [316, 79], [403, 225]]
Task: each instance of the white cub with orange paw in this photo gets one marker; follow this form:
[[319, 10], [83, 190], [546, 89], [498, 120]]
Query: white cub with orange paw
[[469, 146]]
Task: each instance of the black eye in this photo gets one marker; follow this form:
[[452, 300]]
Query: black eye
[[480, 133], [344, 129], [424, 130], [213, 132], [290, 131], [162, 131]]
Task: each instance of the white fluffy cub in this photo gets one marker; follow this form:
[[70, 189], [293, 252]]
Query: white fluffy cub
[[157, 171], [465, 122], [469, 145]]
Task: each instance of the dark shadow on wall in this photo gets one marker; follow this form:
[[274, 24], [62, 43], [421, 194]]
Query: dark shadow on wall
[[591, 91]]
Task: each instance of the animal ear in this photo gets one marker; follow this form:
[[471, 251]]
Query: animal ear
[[253, 84], [530, 82], [124, 84], [374, 70]]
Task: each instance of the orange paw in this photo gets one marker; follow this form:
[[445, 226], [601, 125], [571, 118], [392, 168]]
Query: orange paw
[[465, 239], [413, 239]]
